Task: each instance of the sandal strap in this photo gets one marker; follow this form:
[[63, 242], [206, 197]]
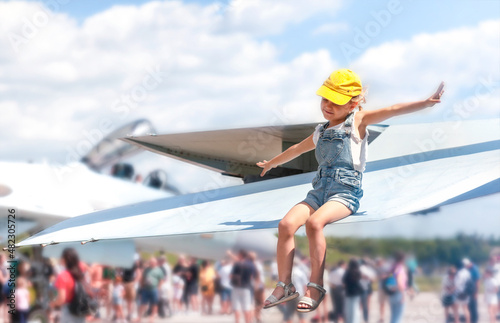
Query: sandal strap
[[308, 301], [316, 286], [272, 299], [281, 284], [287, 288]]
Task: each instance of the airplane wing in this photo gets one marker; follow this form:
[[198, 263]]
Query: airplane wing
[[413, 168], [236, 151]]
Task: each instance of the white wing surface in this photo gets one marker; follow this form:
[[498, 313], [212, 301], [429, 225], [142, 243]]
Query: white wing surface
[[421, 169]]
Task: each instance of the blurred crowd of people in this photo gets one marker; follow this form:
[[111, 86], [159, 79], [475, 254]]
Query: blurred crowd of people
[[148, 289], [154, 288], [352, 284], [461, 286]]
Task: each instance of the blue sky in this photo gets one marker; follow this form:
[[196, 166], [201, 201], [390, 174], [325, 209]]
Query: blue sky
[[230, 64]]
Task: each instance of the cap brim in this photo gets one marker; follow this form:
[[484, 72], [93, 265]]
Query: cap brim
[[333, 96]]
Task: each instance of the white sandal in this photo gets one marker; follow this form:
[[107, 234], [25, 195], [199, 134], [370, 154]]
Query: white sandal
[[311, 302], [287, 296]]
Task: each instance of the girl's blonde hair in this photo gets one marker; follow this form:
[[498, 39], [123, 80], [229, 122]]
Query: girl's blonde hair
[[360, 98]]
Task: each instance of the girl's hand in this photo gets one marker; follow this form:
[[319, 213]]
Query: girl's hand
[[436, 97], [266, 165]]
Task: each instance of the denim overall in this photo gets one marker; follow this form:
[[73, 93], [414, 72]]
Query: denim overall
[[336, 178]]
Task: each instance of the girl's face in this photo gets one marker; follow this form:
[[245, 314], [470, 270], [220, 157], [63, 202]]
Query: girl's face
[[336, 113]]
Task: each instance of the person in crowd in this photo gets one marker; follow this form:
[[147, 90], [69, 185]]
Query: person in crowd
[[259, 286], [181, 269], [337, 290], [353, 292], [192, 284], [141, 266], [448, 294], [397, 299], [224, 274], [241, 281], [383, 270], [207, 283], [117, 297], [412, 265], [491, 287], [108, 276], [48, 270], [22, 300], [462, 280], [164, 309], [95, 273], [178, 291], [65, 285], [473, 290], [152, 278], [368, 276], [130, 280]]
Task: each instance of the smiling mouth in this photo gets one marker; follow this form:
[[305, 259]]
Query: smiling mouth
[[327, 112]]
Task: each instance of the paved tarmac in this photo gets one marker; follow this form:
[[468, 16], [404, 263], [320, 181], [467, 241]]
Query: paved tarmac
[[424, 308]]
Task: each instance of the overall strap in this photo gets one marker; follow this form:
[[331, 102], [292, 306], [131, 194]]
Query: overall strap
[[323, 128], [348, 123], [349, 120]]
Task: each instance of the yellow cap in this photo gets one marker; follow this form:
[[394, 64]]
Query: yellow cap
[[341, 86]]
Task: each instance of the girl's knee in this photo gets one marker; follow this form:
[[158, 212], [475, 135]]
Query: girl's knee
[[314, 225], [286, 227]]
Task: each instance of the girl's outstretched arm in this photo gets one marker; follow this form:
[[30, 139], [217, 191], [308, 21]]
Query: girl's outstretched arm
[[379, 115], [289, 154]]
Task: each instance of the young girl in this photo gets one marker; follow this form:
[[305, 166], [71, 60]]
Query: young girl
[[448, 295], [340, 151], [22, 299]]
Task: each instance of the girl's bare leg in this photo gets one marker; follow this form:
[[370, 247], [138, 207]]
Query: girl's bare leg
[[330, 212], [287, 227]]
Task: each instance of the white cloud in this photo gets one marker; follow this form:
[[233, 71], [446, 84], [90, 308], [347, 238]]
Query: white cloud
[[331, 28], [467, 59], [62, 78], [217, 72], [271, 17]]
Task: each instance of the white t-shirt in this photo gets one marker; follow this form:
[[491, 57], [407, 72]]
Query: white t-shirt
[[367, 275], [336, 276], [299, 279], [167, 284], [448, 285], [496, 269], [490, 291], [225, 275], [22, 299], [463, 275], [178, 284], [118, 291], [359, 149]]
